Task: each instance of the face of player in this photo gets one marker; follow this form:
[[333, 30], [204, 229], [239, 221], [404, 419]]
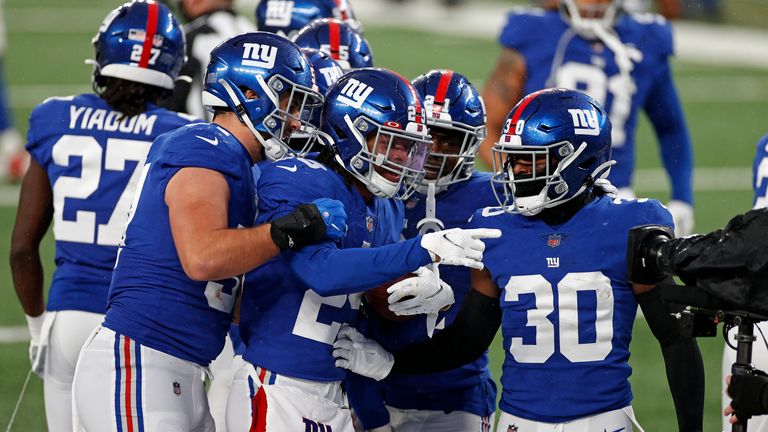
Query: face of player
[[396, 151], [529, 173], [446, 146], [293, 106], [592, 9]]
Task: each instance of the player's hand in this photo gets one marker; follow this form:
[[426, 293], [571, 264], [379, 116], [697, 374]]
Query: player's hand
[[334, 216], [306, 224], [749, 394], [37, 346], [428, 294], [458, 247], [361, 355], [607, 187], [682, 214]]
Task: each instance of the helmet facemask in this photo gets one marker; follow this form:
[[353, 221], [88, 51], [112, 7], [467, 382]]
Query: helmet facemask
[[452, 154], [587, 17], [544, 185], [390, 161], [289, 107]]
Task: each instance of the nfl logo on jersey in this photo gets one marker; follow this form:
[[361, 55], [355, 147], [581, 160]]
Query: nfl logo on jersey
[[512, 428], [553, 240], [176, 388], [369, 223]]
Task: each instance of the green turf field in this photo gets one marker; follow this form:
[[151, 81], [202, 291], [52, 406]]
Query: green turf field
[[726, 109]]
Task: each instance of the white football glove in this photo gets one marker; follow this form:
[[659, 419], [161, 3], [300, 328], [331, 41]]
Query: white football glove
[[37, 346], [682, 214], [429, 294], [607, 187], [361, 355], [458, 247]]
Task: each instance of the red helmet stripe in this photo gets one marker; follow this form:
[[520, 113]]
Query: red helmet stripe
[[522, 106], [149, 34], [334, 31], [342, 8], [442, 86]]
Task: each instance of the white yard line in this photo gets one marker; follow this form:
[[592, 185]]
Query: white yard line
[[14, 334]]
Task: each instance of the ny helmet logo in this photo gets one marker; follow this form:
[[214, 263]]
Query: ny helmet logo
[[259, 55], [585, 122], [331, 74], [354, 93], [279, 13]]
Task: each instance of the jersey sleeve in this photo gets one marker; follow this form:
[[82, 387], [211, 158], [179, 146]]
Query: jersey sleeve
[[652, 212], [519, 29], [286, 184], [39, 128]]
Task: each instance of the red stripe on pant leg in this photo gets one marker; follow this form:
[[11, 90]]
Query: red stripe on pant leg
[[259, 408], [149, 34], [333, 31], [127, 355]]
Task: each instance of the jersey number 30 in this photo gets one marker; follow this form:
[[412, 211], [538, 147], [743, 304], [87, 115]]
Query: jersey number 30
[[568, 317]]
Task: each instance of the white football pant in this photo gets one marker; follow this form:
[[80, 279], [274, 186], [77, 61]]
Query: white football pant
[[121, 385], [263, 401], [617, 420], [411, 420], [760, 360], [69, 330], [222, 369]]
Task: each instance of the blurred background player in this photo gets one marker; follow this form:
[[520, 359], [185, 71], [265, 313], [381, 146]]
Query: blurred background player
[[209, 23], [187, 244], [563, 298], [451, 191], [287, 17], [620, 59], [338, 39], [87, 154], [759, 351], [13, 159], [294, 306]]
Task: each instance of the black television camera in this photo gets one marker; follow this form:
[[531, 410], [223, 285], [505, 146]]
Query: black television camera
[[725, 277]]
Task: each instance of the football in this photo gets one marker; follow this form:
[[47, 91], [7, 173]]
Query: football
[[376, 299]]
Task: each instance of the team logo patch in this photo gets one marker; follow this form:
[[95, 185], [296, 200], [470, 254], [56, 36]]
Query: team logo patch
[[585, 122], [354, 93], [259, 55], [176, 388], [554, 240], [279, 13], [369, 223]]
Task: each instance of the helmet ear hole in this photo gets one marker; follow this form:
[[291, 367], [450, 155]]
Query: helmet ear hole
[[587, 163], [339, 132]]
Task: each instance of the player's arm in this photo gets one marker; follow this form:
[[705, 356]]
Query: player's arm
[[666, 114], [682, 358], [502, 91], [33, 217]]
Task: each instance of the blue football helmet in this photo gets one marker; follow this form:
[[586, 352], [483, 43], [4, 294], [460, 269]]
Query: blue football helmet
[[559, 142], [278, 72], [337, 39], [373, 121], [140, 41], [287, 17], [456, 120]]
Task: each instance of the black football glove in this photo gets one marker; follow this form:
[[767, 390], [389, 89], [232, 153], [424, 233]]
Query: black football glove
[[750, 394], [302, 227]]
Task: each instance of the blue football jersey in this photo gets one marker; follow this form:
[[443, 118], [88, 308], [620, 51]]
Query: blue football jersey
[[289, 327], [760, 174], [151, 298], [556, 56], [93, 157], [567, 308], [468, 388]]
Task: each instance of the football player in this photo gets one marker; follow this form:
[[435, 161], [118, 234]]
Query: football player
[[451, 191], [87, 154], [338, 39], [187, 243], [375, 143], [760, 351], [620, 59], [560, 290], [286, 17]]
